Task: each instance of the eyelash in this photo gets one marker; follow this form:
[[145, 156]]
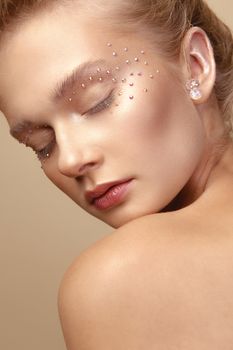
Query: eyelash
[[105, 104]]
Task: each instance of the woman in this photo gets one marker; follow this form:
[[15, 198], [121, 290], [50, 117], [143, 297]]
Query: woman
[[128, 106]]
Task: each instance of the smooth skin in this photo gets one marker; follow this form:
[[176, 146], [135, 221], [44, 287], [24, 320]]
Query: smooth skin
[[163, 278]]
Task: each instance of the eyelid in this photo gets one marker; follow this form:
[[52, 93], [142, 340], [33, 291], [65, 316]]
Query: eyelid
[[106, 102]]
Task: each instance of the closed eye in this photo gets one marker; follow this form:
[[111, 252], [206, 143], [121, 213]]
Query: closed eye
[[105, 104]]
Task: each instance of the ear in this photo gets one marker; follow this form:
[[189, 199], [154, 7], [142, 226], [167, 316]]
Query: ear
[[199, 62]]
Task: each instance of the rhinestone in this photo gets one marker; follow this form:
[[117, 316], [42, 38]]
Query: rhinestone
[[195, 94], [192, 84], [114, 54], [70, 99], [109, 44], [98, 70], [131, 84], [157, 71], [145, 90], [136, 59], [90, 78], [123, 80], [108, 71], [114, 80], [142, 52], [126, 49], [151, 76], [120, 93], [146, 63], [117, 68], [131, 97], [83, 86], [127, 61]]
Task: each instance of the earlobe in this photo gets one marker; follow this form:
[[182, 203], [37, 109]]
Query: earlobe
[[200, 64]]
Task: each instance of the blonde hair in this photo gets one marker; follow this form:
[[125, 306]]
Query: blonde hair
[[171, 18]]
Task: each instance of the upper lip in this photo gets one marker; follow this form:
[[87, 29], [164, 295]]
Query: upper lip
[[101, 189]]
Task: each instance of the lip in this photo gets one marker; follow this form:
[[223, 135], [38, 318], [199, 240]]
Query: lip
[[108, 192]]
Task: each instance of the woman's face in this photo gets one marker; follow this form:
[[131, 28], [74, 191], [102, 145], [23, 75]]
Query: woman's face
[[123, 115]]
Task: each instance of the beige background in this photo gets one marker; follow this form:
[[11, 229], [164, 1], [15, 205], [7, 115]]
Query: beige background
[[42, 231]]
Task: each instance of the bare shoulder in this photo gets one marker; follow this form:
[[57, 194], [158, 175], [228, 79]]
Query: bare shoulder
[[129, 289], [107, 292]]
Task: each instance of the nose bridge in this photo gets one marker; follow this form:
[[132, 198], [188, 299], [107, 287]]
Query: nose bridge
[[76, 154]]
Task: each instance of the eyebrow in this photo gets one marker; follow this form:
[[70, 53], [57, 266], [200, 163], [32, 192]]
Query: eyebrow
[[78, 73], [59, 91]]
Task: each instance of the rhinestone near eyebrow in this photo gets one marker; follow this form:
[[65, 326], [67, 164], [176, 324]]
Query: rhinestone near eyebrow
[[114, 80], [83, 86], [100, 79], [131, 97], [108, 71], [123, 80], [136, 59], [151, 76], [109, 44], [126, 49], [142, 52], [127, 61], [70, 99], [114, 53], [98, 70], [131, 84], [90, 78]]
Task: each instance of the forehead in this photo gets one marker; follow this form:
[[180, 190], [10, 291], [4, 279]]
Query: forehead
[[41, 51]]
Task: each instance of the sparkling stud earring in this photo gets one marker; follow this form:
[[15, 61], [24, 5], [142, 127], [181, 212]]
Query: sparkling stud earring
[[193, 88]]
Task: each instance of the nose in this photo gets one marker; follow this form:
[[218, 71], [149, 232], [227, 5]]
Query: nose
[[77, 158]]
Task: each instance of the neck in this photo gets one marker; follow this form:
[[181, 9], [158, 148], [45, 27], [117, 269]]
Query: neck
[[215, 164]]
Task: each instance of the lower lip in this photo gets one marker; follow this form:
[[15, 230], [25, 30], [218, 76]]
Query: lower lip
[[113, 196]]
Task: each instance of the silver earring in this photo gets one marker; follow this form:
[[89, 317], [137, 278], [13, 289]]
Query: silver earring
[[193, 88]]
